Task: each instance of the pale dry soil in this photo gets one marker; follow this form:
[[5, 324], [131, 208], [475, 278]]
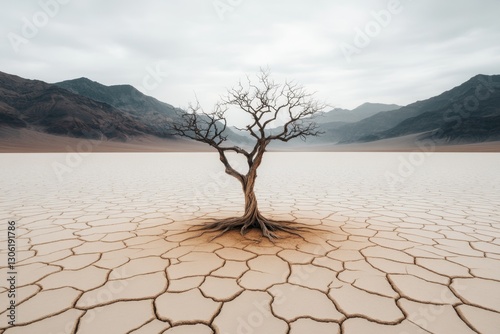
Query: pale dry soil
[[109, 245]]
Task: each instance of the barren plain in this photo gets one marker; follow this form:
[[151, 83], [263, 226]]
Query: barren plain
[[395, 243]]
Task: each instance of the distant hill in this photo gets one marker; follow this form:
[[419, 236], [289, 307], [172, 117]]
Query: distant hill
[[455, 115], [351, 116], [155, 115], [428, 115], [51, 109]]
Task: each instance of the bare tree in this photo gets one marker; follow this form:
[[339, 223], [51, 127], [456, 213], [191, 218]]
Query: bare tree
[[268, 104]]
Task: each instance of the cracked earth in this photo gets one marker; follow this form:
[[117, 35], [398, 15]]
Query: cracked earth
[[109, 246]]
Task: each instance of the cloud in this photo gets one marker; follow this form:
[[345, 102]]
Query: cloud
[[423, 49]]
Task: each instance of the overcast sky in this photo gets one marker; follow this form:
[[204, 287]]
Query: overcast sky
[[350, 52]]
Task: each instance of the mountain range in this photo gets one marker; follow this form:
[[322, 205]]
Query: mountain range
[[455, 115], [154, 114], [81, 108], [52, 109]]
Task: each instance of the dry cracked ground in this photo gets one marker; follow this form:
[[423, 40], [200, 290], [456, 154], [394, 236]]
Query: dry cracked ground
[[108, 246]]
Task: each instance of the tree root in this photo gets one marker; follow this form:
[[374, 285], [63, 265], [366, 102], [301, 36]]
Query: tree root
[[267, 226]]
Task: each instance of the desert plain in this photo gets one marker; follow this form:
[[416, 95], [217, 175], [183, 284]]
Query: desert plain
[[392, 243]]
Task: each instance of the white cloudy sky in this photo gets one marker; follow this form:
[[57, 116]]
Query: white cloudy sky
[[427, 47]]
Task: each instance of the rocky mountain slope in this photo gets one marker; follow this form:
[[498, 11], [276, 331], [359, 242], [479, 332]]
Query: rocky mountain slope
[[51, 109], [454, 114]]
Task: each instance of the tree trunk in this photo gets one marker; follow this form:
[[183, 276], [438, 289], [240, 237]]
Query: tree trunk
[[251, 209], [252, 216]]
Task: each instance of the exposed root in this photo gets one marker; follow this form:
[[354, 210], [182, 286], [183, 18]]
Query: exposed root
[[267, 226]]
